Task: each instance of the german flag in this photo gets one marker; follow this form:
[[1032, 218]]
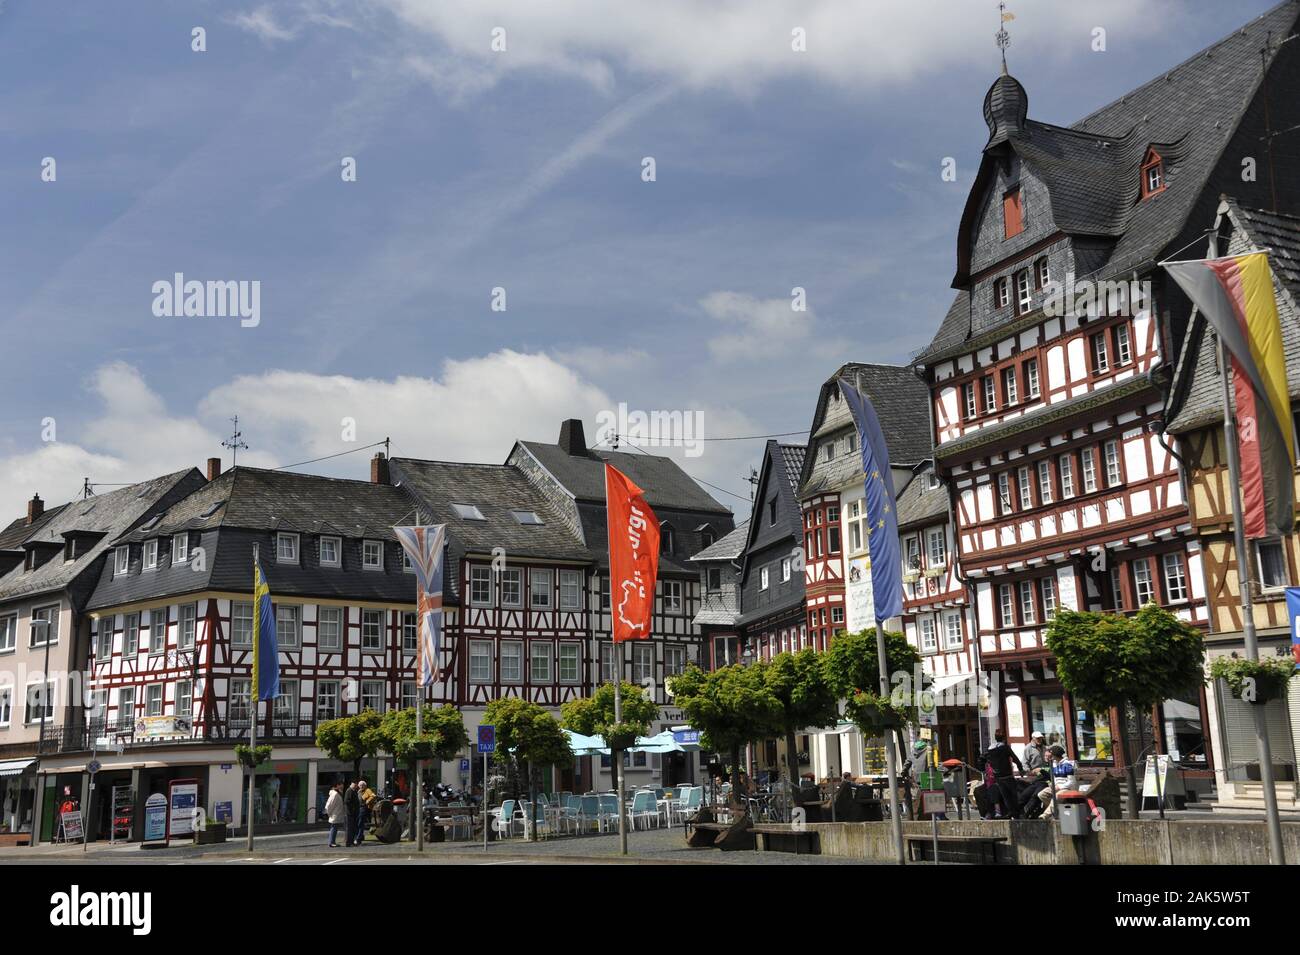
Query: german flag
[[1235, 294]]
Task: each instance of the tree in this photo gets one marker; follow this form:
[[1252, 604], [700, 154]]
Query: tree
[[798, 681], [594, 716], [852, 668], [1107, 660], [732, 706], [443, 739], [531, 735], [350, 739]]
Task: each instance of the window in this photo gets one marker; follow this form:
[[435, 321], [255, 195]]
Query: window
[[1024, 291], [1026, 491], [1175, 577], [1047, 587], [833, 539], [570, 590], [149, 561], [1272, 564], [6, 705], [480, 661], [331, 549], [410, 632], [1142, 586], [714, 580], [539, 660], [153, 699], [512, 661], [540, 583], [1004, 492], [480, 586], [185, 635], [372, 555], [929, 642], [1153, 173], [241, 623], [240, 700], [990, 394], [1065, 466], [286, 548], [604, 593], [1013, 219], [121, 560], [832, 514], [1088, 458], [1100, 355], [1042, 272], [407, 566], [665, 538], [570, 655], [286, 625], [762, 578], [932, 480], [410, 694], [952, 630], [1045, 482], [674, 660], [526, 517], [1028, 610], [512, 587], [372, 629], [329, 628], [327, 700], [1116, 588], [1001, 293], [672, 593], [103, 637], [44, 626], [1031, 378], [372, 695], [184, 699], [40, 703], [643, 663], [606, 662], [785, 568], [936, 547], [837, 614], [1006, 603], [9, 633], [130, 634], [1113, 475], [468, 512], [771, 505], [180, 547], [968, 400], [1009, 385], [1123, 349]]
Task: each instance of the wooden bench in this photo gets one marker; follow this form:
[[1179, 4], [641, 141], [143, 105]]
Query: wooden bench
[[726, 836], [981, 842], [776, 838]]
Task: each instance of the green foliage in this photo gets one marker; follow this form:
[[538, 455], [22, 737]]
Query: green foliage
[[852, 664], [444, 735], [874, 714], [594, 715], [1106, 659], [798, 682], [732, 705], [252, 756], [351, 738], [1255, 681], [528, 732]]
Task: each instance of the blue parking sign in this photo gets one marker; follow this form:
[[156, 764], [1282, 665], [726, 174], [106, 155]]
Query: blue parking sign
[[487, 739], [1293, 611]]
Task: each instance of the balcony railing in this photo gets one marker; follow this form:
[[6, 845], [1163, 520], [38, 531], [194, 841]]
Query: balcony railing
[[102, 734]]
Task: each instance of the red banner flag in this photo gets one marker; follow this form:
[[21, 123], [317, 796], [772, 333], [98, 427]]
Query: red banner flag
[[633, 556]]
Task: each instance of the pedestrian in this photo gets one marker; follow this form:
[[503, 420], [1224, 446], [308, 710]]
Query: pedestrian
[[367, 797], [999, 758], [1035, 752], [352, 808], [336, 812]]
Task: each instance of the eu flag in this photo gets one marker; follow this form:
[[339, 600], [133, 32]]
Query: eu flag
[[882, 516], [266, 676]]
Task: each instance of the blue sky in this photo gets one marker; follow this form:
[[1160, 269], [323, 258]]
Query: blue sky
[[478, 169]]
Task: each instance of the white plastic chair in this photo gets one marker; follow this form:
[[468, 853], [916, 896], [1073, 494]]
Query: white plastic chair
[[643, 809]]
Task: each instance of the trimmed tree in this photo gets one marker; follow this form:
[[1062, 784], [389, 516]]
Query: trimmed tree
[[798, 681], [852, 670], [1106, 660], [594, 716], [731, 706], [350, 739], [443, 739], [531, 735]]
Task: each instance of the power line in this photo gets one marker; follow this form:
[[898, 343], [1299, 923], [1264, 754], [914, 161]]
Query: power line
[[693, 477], [364, 447]]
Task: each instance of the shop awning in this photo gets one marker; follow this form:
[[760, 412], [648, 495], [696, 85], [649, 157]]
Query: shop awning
[[15, 767], [949, 680]]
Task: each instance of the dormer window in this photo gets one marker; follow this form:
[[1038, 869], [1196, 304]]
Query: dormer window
[[286, 548], [468, 512], [150, 559], [372, 555], [181, 547], [665, 538], [331, 549], [1153, 174], [1013, 214], [121, 560], [1024, 291], [1001, 294]]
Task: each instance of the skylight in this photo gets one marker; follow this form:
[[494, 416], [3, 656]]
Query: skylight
[[212, 508], [468, 512], [151, 523], [527, 517]]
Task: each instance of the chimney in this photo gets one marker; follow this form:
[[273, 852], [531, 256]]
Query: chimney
[[214, 468], [35, 508], [571, 437], [379, 469]]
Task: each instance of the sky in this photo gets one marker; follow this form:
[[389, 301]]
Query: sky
[[502, 258]]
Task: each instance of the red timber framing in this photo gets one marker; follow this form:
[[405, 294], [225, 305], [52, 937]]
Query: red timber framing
[[824, 545]]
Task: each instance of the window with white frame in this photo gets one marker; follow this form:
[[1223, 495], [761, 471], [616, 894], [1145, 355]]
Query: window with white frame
[[643, 663], [1009, 384], [1123, 348], [1028, 606], [837, 614], [130, 634], [990, 394], [1024, 290], [785, 568], [936, 547], [1088, 462], [1007, 605], [606, 661], [287, 619], [410, 631], [762, 578], [153, 700], [1175, 577], [1116, 588], [1271, 558], [180, 547], [407, 566], [241, 623], [43, 628], [240, 701], [604, 592], [952, 638], [410, 694], [121, 560], [1032, 388], [1025, 488], [6, 705], [1047, 587], [149, 558], [1100, 354], [480, 586], [184, 699], [286, 548], [1004, 493], [103, 637], [1143, 588], [327, 700], [480, 661], [372, 629], [1045, 482], [188, 626], [1113, 474], [540, 584], [672, 594], [1044, 273], [1001, 293], [512, 587], [539, 661], [512, 661], [570, 662], [372, 695], [674, 659], [929, 642], [1065, 467], [286, 702], [9, 632], [97, 707], [40, 703], [570, 590], [331, 552], [329, 628], [372, 555], [968, 400]]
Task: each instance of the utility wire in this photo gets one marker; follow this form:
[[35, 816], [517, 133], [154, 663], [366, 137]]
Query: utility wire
[[365, 447], [690, 475]]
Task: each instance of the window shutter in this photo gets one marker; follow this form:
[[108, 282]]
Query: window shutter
[[1012, 217], [1239, 729]]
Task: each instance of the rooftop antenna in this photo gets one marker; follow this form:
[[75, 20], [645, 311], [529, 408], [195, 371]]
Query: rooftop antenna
[[1003, 38], [85, 489], [235, 443], [753, 483]]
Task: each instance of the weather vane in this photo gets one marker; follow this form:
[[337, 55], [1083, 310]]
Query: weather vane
[[1003, 37], [234, 443]]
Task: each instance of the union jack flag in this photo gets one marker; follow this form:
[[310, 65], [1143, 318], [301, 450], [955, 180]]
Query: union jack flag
[[423, 545]]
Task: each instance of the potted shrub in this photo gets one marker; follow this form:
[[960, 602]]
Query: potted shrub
[[212, 833], [1254, 681]]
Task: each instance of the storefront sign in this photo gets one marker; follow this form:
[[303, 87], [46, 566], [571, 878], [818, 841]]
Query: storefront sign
[[184, 798], [72, 828], [687, 737], [155, 727], [860, 606], [155, 818]]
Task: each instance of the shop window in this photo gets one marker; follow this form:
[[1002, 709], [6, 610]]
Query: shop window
[[1092, 736], [1047, 716], [1184, 729]]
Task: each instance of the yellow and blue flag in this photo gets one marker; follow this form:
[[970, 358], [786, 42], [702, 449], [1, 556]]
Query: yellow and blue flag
[[266, 678]]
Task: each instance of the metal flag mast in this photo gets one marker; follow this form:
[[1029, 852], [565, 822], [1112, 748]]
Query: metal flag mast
[[254, 695]]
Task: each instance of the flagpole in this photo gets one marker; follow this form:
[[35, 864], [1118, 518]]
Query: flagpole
[[618, 764], [895, 817], [252, 715], [417, 797], [1245, 578]]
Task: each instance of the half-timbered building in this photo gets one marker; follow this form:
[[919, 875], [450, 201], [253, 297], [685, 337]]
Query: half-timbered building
[[719, 615]]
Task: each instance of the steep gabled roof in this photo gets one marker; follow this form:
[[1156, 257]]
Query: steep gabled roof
[[729, 547], [921, 504]]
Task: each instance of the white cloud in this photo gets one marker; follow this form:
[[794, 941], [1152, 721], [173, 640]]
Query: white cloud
[[762, 327], [262, 24]]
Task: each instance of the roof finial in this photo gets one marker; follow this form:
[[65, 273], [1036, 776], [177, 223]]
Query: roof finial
[[235, 442], [1004, 38]]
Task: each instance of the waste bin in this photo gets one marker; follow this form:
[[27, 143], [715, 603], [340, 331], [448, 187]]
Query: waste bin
[[1074, 812], [867, 806]]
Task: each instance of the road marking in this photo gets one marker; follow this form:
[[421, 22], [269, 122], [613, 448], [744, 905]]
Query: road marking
[[335, 861], [285, 859]]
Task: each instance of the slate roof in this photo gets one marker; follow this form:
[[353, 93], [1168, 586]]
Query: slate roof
[[18, 530], [1188, 113], [792, 457], [1198, 389], [921, 504], [719, 608], [729, 547]]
